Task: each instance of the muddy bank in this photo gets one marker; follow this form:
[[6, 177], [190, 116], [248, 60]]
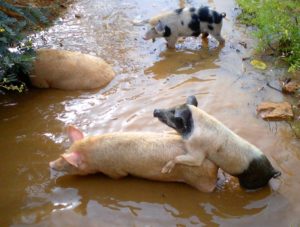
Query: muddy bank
[[148, 76]]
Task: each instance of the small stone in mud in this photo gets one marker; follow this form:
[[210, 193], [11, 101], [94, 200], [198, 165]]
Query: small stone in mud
[[289, 86], [246, 58], [63, 6], [275, 111], [78, 16]]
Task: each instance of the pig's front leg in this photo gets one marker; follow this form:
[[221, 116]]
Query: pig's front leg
[[189, 159], [218, 37], [171, 41], [204, 35]]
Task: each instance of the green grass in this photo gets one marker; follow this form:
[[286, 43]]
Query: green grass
[[278, 27]]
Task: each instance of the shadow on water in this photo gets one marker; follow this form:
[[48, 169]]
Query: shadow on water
[[183, 62]]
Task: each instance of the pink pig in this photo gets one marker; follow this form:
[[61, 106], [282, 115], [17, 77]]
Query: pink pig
[[141, 154]]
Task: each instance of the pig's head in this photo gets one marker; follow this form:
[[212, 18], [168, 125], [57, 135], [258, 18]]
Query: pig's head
[[73, 161], [155, 31]]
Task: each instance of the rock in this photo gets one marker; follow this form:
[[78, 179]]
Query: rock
[[275, 111], [78, 16], [69, 70], [290, 86]]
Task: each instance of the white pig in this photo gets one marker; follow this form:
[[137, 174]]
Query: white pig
[[186, 22], [141, 154]]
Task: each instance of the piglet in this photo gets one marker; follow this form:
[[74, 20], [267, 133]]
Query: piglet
[[141, 154], [186, 22]]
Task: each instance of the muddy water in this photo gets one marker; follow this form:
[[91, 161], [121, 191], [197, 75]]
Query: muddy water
[[149, 76]]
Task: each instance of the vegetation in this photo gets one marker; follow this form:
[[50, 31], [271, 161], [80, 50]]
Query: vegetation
[[277, 24], [16, 50]]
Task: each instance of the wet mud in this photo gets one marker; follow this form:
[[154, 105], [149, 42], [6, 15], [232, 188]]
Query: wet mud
[[149, 76]]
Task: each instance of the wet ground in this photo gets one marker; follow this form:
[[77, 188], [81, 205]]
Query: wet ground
[[148, 76]]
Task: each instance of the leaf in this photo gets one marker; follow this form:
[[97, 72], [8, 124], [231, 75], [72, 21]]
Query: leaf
[[258, 64]]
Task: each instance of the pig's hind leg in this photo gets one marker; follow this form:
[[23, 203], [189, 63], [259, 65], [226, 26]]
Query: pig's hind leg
[[204, 35]]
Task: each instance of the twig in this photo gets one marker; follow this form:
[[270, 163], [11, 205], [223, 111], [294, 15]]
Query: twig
[[276, 89]]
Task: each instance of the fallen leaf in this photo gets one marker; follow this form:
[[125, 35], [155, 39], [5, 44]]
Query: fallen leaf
[[275, 111], [258, 64], [290, 86]]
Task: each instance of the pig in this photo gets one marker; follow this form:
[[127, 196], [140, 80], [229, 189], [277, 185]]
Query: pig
[[141, 154], [206, 137], [69, 70], [186, 22]]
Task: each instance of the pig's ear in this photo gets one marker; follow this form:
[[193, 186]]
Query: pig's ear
[[74, 133], [160, 27], [73, 158]]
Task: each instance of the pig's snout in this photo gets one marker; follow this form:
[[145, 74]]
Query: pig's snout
[[52, 165], [156, 113]]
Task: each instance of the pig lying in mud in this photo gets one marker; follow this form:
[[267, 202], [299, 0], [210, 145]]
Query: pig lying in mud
[[186, 22], [141, 154]]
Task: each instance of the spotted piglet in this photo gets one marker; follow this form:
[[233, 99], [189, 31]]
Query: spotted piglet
[[186, 22]]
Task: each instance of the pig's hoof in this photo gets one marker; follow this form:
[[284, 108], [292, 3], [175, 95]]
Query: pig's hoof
[[168, 167], [222, 42]]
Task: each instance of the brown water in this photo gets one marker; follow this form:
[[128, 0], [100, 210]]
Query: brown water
[[149, 77]]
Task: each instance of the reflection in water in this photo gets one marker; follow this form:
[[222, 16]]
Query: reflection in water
[[164, 203], [183, 62], [149, 77]]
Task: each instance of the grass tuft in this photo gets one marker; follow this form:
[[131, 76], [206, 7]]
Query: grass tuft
[[278, 27]]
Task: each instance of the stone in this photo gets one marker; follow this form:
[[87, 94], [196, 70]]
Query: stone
[[69, 70], [275, 111], [290, 86]]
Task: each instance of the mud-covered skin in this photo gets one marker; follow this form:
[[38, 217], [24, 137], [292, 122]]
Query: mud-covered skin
[[186, 22], [206, 137]]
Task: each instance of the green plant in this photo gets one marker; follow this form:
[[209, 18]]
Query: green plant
[[16, 50], [277, 24]]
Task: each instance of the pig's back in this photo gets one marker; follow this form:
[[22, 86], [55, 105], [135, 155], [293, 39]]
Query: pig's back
[[144, 154], [138, 147]]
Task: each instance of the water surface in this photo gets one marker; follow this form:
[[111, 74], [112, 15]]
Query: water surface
[[148, 76]]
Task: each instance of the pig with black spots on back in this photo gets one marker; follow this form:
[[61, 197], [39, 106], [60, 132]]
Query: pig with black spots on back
[[186, 22]]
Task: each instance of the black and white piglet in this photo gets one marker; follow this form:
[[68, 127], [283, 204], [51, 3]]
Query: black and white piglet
[[186, 22], [206, 137]]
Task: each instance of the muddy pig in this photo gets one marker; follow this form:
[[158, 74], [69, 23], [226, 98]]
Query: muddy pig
[[186, 22], [141, 154]]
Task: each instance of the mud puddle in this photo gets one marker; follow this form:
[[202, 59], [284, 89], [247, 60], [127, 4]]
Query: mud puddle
[[149, 77]]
